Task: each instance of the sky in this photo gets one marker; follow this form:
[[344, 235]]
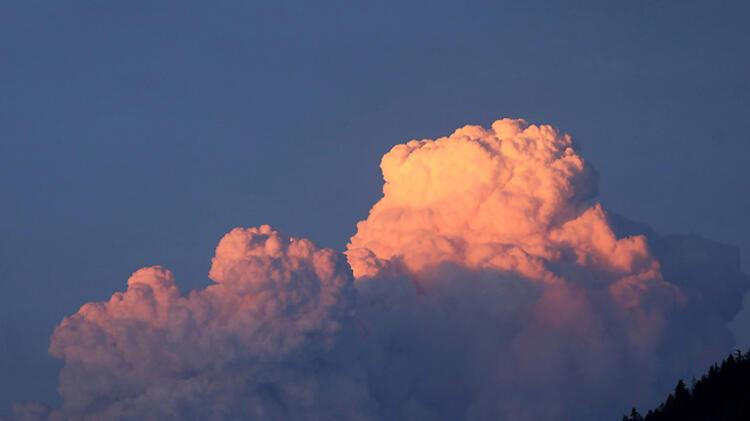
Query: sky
[[138, 133]]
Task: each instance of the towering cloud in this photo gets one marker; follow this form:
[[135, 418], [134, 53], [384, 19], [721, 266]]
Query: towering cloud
[[512, 198], [536, 308], [487, 285]]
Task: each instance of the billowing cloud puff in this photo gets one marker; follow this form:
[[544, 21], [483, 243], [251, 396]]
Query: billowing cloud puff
[[489, 286], [497, 290], [254, 345], [503, 292], [510, 198]]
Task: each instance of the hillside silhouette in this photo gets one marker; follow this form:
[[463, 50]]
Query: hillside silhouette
[[722, 394]]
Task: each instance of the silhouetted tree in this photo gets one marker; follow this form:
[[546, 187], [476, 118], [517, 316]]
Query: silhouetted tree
[[722, 394], [634, 416]]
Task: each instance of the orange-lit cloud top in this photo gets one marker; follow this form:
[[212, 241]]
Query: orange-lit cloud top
[[512, 198], [488, 286]]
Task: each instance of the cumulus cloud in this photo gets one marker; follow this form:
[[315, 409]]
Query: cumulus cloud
[[553, 315], [510, 198], [257, 344], [485, 284]]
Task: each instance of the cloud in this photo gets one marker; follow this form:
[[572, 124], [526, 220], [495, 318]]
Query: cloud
[[548, 313], [256, 344], [485, 284]]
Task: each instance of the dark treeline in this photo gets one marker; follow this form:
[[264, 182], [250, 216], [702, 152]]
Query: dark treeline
[[722, 394]]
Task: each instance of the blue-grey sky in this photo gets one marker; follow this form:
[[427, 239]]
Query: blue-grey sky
[[137, 133]]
